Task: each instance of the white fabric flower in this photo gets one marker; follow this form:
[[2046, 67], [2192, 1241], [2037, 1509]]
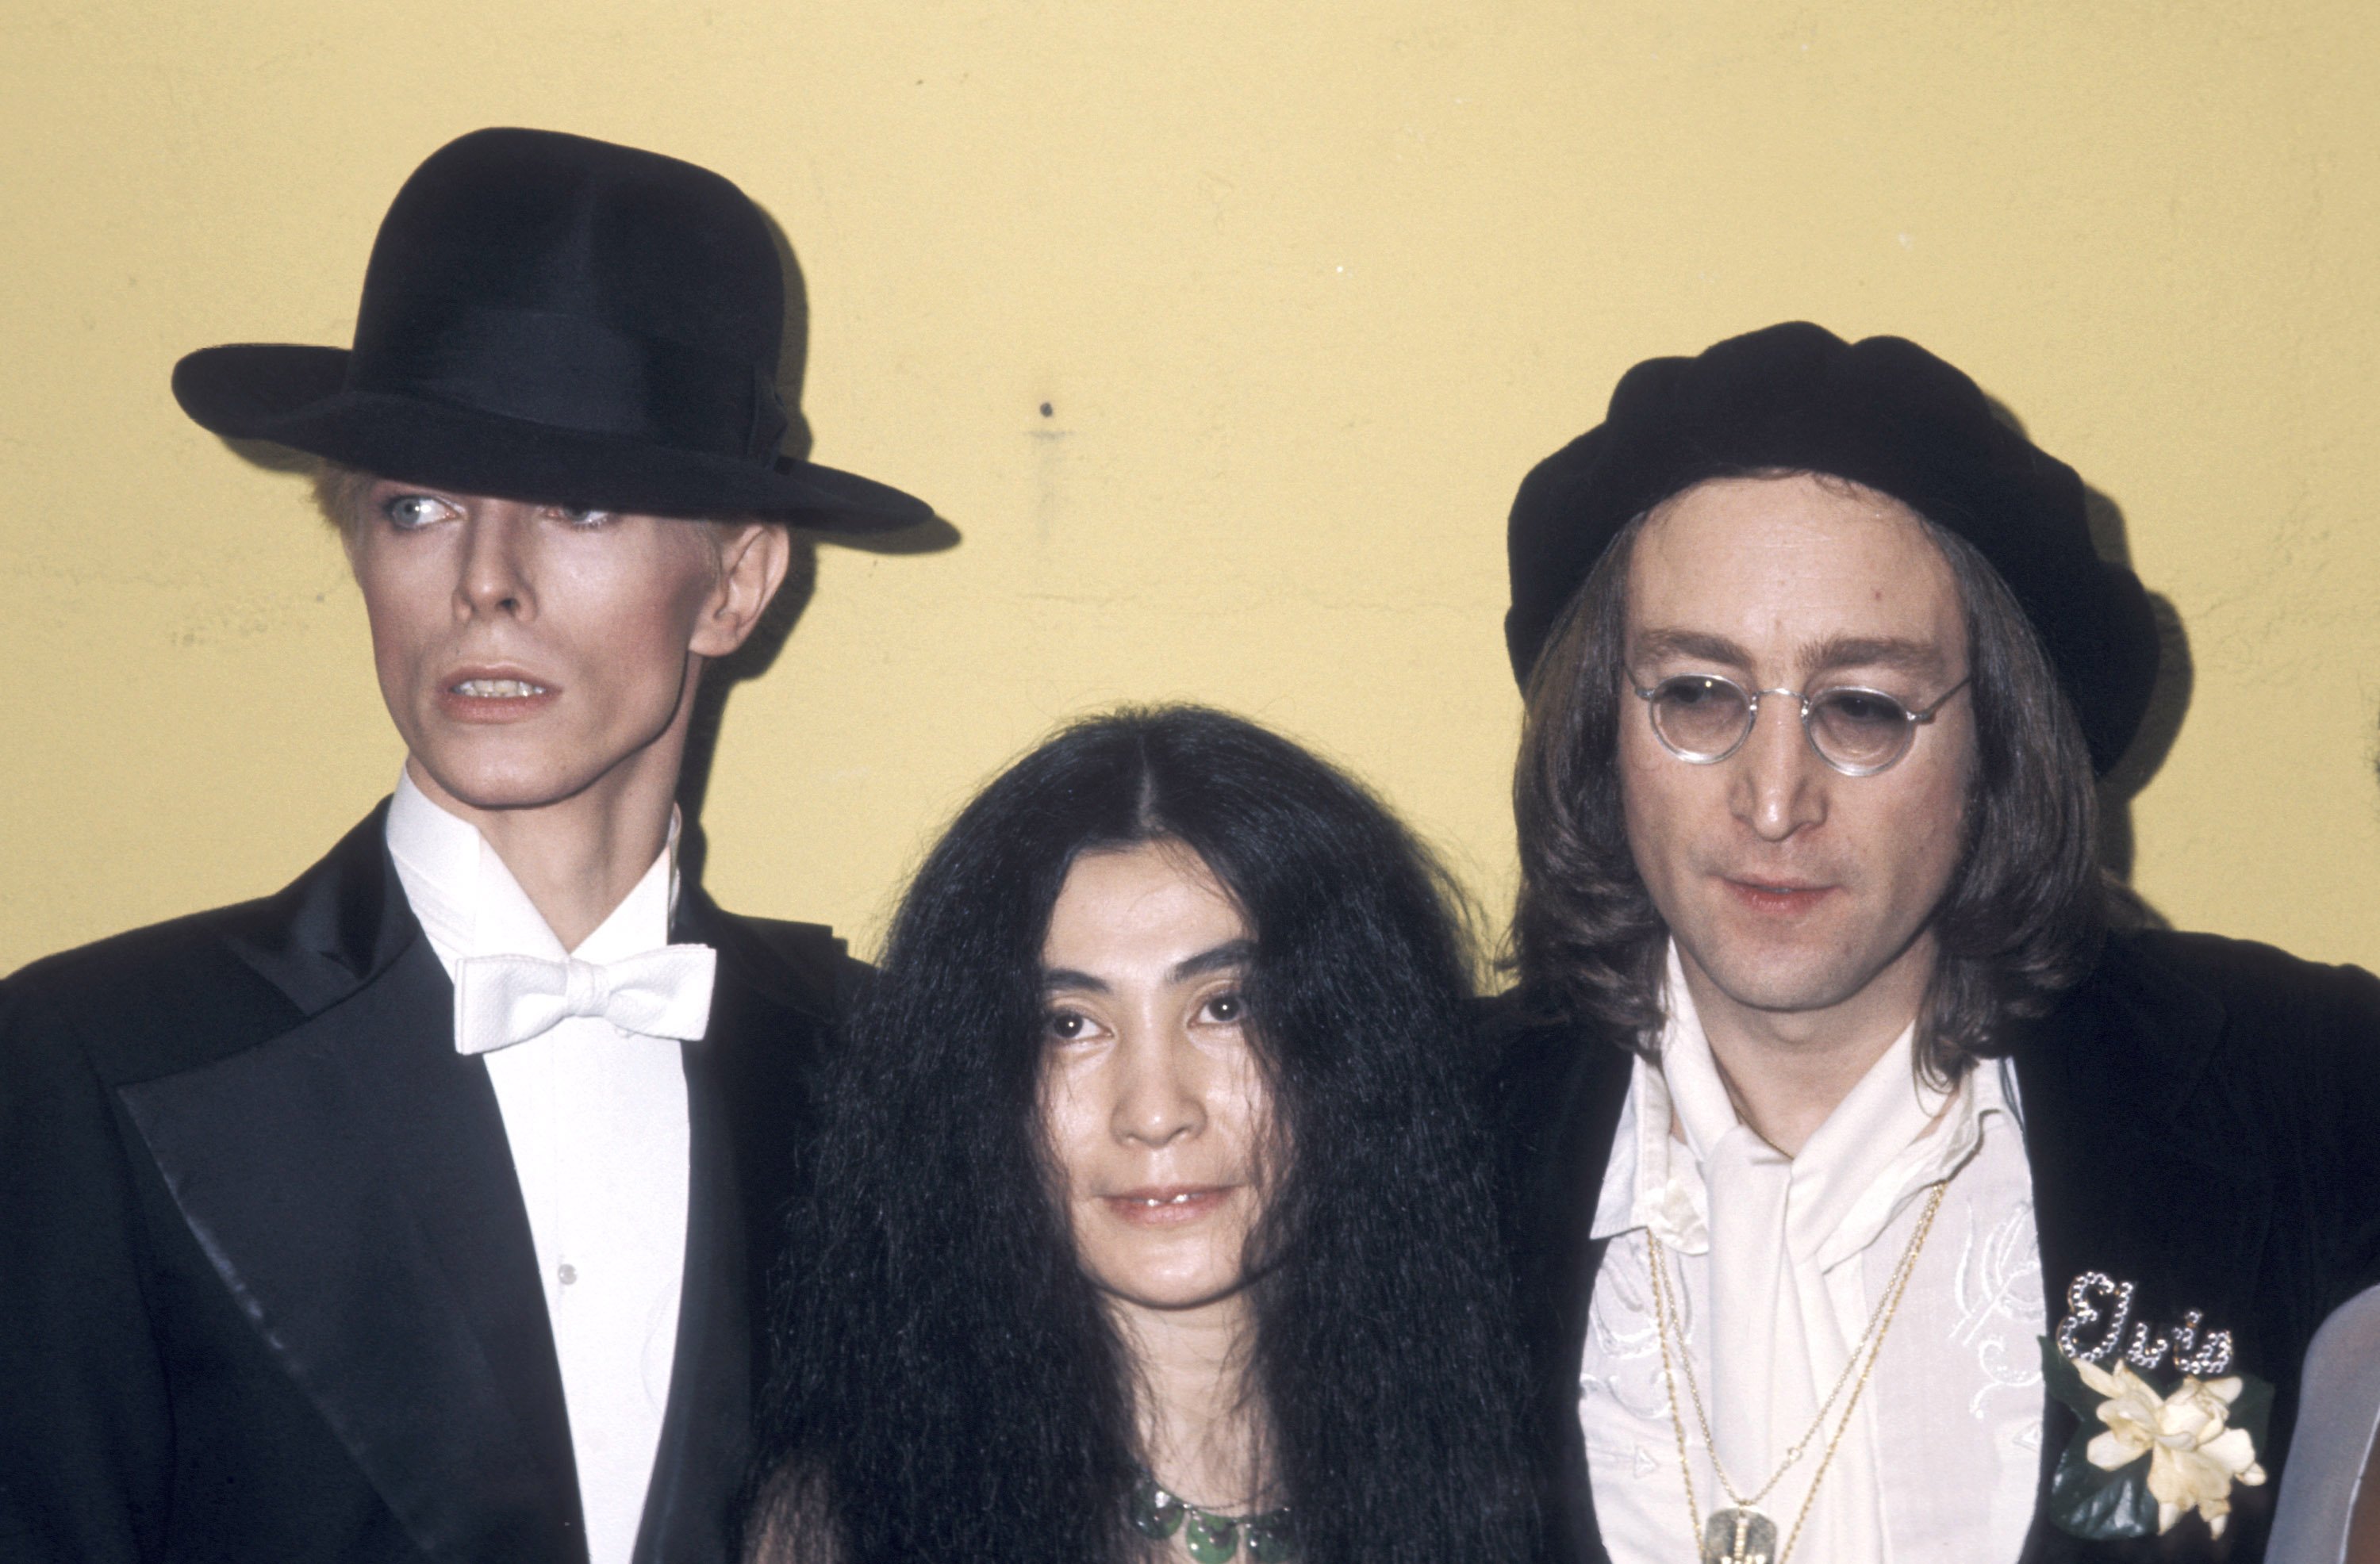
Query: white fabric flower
[[2193, 1457]]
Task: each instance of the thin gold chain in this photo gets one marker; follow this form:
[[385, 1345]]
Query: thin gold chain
[[1794, 1452], [1864, 1356], [1817, 1423], [1669, 1385]]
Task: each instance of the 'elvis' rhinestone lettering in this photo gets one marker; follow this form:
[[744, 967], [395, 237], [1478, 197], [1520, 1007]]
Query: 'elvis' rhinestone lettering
[[2145, 1353], [2083, 1313], [2207, 1355], [2208, 1359]]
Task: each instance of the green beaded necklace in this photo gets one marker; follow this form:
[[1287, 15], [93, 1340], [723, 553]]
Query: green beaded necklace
[[1211, 1537]]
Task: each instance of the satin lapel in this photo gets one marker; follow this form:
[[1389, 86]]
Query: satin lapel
[[750, 1108], [2140, 1174], [335, 927], [351, 1183]]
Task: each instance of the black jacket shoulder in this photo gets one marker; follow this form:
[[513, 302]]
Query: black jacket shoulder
[[804, 966], [2252, 981], [2291, 1043], [156, 1001]]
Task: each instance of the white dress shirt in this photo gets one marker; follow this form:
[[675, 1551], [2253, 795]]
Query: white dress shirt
[[597, 1122], [1776, 1266]]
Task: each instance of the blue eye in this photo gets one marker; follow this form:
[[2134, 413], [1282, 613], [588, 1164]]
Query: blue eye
[[410, 513]]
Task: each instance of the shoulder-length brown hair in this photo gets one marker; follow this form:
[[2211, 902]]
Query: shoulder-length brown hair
[[2020, 923]]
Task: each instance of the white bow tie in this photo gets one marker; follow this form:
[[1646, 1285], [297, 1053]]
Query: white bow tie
[[500, 1000]]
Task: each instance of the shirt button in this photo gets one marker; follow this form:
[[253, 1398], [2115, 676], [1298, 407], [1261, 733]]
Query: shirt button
[[567, 1272]]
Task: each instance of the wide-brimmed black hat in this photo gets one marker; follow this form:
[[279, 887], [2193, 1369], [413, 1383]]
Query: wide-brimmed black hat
[[1882, 412], [547, 316]]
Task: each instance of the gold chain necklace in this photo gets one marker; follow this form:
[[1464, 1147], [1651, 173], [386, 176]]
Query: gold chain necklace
[[1742, 1534]]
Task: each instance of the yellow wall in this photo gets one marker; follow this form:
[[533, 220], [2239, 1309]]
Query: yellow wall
[[1307, 288]]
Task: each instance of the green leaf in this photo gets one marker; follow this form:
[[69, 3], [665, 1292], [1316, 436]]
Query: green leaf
[[2096, 1505], [2253, 1409]]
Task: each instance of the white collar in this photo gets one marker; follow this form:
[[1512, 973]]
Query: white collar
[[1890, 1137], [469, 903]]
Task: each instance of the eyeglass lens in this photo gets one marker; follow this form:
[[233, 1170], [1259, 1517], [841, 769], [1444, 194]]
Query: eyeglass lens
[[1702, 717]]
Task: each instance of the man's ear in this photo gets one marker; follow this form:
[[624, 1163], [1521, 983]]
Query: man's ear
[[752, 562]]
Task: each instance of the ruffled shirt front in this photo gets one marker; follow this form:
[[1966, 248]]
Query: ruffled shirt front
[[1776, 1266]]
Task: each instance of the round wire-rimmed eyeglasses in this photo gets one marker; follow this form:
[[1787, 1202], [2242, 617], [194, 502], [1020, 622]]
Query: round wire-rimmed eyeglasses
[[1703, 719]]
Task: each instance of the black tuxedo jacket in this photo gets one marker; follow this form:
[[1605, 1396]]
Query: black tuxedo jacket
[[2202, 1120], [267, 1289]]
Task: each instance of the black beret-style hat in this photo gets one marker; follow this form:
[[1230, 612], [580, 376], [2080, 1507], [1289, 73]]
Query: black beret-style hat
[[1881, 412], [547, 316]]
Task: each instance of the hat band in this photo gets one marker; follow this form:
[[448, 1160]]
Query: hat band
[[567, 372]]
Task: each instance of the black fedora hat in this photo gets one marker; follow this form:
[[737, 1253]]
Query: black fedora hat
[[1882, 412], [547, 316]]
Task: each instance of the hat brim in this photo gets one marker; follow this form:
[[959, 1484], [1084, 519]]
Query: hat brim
[[297, 397]]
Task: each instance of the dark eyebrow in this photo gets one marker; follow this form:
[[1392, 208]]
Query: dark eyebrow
[[1234, 952], [1056, 977], [1659, 644], [1874, 651], [1897, 653]]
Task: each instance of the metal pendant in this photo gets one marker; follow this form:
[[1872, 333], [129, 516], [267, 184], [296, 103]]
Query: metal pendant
[[1739, 1536]]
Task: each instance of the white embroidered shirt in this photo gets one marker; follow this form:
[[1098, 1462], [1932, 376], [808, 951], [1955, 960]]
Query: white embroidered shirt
[[596, 1122], [1776, 1266]]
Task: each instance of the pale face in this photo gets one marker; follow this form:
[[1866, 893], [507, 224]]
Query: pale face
[[1791, 887], [1153, 1102], [529, 653]]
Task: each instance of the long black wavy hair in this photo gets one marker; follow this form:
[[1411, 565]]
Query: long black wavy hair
[[955, 1389]]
